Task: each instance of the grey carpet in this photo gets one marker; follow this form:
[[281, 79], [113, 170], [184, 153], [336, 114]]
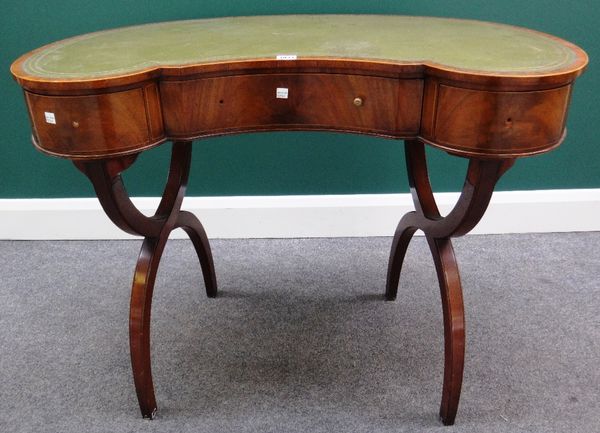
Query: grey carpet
[[300, 339]]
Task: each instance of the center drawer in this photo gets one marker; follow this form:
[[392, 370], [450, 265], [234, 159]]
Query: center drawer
[[291, 101]]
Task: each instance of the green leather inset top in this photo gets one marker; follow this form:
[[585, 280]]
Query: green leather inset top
[[458, 44]]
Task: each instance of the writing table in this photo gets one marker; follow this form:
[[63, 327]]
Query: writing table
[[487, 92]]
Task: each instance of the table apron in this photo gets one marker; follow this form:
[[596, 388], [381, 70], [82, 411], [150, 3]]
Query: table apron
[[463, 121]]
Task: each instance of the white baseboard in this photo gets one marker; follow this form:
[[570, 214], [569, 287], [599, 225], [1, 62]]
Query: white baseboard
[[303, 216]]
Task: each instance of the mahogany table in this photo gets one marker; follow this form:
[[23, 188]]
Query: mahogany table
[[487, 92]]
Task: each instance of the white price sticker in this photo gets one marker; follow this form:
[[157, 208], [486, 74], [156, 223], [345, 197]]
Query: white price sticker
[[282, 93], [287, 57], [50, 118]]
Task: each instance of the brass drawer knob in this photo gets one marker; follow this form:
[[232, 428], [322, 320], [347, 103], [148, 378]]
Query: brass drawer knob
[[358, 102], [75, 124]]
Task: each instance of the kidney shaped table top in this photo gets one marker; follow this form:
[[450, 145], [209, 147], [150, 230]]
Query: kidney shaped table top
[[484, 91]]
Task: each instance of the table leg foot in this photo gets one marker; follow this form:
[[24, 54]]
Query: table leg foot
[[477, 191], [150, 415]]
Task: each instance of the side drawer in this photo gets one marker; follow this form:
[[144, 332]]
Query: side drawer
[[96, 125], [482, 123], [304, 101]]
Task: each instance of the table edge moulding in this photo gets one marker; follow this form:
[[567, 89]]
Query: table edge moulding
[[483, 91]]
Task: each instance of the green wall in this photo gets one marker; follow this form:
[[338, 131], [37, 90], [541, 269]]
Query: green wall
[[289, 163]]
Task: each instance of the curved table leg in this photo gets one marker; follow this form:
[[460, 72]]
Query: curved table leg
[[139, 323], [192, 226], [454, 325], [477, 191], [108, 184], [402, 237]]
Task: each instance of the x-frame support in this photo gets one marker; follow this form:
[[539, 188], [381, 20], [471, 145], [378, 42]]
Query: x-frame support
[[478, 187], [480, 181], [105, 175]]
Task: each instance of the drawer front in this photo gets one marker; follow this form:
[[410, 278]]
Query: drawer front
[[488, 124], [291, 101], [96, 125]]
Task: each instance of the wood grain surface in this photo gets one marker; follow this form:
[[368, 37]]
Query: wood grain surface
[[474, 89]]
